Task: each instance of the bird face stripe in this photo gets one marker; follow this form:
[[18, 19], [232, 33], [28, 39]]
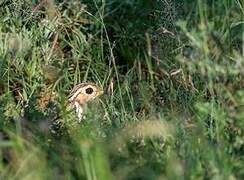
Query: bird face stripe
[[73, 96], [75, 89]]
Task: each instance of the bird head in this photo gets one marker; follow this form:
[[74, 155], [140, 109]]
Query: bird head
[[82, 94]]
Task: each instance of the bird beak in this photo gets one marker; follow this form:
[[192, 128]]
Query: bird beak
[[100, 93]]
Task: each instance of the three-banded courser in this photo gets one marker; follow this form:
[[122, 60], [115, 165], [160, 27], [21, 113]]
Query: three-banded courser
[[81, 94]]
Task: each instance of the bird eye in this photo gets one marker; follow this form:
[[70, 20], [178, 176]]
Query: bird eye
[[89, 90]]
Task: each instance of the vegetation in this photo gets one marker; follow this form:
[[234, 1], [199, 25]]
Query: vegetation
[[172, 72]]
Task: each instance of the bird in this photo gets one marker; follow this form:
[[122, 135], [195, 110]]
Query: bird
[[81, 94]]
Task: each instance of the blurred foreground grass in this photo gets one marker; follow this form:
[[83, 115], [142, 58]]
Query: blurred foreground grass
[[173, 75]]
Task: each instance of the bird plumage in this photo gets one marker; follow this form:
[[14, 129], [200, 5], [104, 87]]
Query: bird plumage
[[81, 94]]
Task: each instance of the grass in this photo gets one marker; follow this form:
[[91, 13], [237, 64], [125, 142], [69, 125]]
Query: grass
[[173, 76]]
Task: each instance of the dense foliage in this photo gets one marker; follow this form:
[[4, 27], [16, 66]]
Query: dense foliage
[[172, 72]]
